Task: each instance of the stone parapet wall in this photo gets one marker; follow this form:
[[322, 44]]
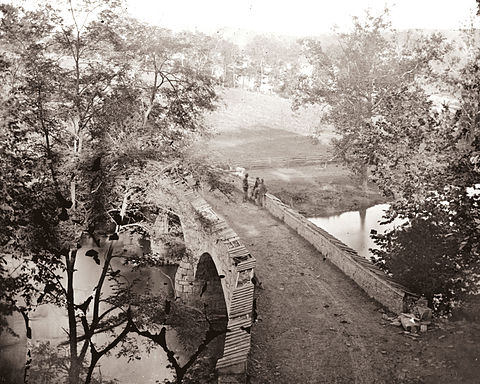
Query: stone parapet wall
[[275, 206], [373, 281], [367, 276]]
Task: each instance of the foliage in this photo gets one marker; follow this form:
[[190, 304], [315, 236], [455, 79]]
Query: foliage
[[193, 370], [230, 59], [422, 156], [91, 99], [207, 171], [28, 228], [360, 78], [271, 61], [434, 179], [50, 366], [421, 257]]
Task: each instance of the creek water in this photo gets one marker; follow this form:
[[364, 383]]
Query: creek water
[[49, 322], [353, 228]]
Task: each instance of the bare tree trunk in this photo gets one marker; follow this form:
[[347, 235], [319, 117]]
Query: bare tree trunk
[[364, 177], [363, 215], [74, 370], [365, 184], [261, 75]]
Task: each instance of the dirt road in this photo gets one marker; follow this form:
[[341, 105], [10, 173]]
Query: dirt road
[[316, 326]]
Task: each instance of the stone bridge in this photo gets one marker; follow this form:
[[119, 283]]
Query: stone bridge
[[214, 251]]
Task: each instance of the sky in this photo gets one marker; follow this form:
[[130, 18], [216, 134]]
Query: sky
[[298, 17]]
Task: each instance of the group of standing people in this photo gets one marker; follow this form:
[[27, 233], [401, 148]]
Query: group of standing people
[[258, 191]]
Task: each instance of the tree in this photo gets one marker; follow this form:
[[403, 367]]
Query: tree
[[357, 78], [422, 157], [190, 318], [228, 53], [435, 183], [83, 120], [271, 60], [25, 170]]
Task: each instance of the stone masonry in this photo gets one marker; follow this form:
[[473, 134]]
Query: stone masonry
[[210, 234]]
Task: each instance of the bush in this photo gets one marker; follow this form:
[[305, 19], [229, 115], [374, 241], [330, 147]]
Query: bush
[[422, 257]]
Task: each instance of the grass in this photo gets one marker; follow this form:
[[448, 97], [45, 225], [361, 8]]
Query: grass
[[255, 128], [241, 109], [264, 143]]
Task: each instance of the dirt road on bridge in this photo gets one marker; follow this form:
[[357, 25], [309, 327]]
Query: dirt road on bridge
[[317, 326]]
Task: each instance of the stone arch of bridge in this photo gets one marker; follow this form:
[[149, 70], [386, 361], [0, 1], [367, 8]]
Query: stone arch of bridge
[[201, 277], [205, 266], [208, 288], [205, 233]]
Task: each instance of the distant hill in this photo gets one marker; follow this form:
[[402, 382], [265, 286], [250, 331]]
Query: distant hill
[[242, 37]]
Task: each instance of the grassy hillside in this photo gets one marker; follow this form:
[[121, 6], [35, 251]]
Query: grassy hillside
[[252, 128], [250, 125], [241, 109], [263, 144]]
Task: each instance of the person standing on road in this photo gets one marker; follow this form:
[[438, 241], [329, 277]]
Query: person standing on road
[[254, 193], [196, 186], [262, 190], [245, 188]]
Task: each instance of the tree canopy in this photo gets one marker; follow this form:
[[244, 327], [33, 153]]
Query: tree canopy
[[91, 99], [360, 78]]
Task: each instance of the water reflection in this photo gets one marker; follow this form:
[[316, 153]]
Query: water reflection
[[353, 228], [49, 322]]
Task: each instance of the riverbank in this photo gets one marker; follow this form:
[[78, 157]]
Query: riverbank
[[318, 191]]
